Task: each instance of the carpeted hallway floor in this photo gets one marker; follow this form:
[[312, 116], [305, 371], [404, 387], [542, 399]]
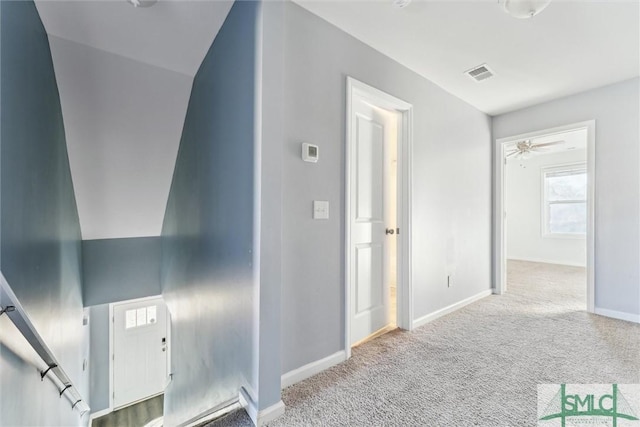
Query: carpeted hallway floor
[[479, 366]]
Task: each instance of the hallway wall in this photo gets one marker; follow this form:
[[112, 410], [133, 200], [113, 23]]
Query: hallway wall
[[451, 186], [208, 234], [40, 233]]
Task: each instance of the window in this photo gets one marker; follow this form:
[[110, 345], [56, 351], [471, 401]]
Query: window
[[565, 201], [140, 316]]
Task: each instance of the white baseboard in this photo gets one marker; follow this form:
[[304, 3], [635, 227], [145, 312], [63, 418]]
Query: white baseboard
[[260, 418], [453, 307], [213, 413], [548, 261], [271, 413], [310, 369], [620, 315]]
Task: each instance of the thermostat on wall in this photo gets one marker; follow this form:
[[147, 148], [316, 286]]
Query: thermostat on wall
[[309, 152]]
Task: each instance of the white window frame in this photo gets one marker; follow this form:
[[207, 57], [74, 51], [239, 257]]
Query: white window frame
[[545, 171]]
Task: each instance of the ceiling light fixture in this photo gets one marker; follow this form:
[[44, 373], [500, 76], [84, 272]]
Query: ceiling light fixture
[[400, 3], [142, 3], [523, 9]]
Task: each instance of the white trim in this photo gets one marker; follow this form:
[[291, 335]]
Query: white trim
[[212, 414], [620, 315], [158, 422], [111, 357], [99, 414], [405, 148], [271, 413], [450, 309], [311, 369], [260, 418], [499, 244], [546, 261]]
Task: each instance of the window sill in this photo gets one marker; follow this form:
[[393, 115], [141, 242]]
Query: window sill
[[565, 236]]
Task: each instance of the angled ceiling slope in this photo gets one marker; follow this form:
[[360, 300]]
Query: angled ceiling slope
[[174, 35], [125, 77], [569, 47]]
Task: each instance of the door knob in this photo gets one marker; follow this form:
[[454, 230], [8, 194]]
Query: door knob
[[390, 231]]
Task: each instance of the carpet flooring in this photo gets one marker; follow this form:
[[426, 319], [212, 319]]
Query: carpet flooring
[[479, 366]]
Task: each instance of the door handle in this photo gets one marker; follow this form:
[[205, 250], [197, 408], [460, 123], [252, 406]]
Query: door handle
[[389, 231]]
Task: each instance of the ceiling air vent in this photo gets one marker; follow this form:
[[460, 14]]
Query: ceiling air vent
[[479, 73]]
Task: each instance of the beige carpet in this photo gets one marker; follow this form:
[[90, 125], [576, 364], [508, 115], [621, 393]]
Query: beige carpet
[[479, 366]]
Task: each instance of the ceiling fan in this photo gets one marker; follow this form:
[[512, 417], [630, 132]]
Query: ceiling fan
[[523, 149]]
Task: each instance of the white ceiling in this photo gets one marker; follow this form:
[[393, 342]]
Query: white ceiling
[[174, 35], [570, 47], [123, 122], [124, 76]]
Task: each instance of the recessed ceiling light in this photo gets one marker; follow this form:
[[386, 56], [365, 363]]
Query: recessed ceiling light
[[400, 3], [523, 9]]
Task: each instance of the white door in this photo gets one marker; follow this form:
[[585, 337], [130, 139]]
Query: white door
[[139, 350], [372, 213]]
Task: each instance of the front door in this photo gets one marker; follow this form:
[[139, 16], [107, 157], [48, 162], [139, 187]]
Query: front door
[[372, 211], [139, 350]]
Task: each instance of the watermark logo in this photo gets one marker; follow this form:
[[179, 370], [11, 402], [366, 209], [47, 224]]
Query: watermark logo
[[577, 405]]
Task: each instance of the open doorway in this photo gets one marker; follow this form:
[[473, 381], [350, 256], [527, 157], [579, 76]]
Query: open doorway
[[544, 215], [378, 289]]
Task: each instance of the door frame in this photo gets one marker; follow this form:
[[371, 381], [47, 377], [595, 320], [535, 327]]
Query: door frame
[[499, 244], [111, 346], [404, 296]]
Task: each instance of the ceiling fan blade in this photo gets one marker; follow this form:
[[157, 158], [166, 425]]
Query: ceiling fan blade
[[513, 153], [546, 144]]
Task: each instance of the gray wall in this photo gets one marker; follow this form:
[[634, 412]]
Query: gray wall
[[120, 269], [617, 180], [99, 362], [208, 233], [269, 201], [451, 186], [41, 252]]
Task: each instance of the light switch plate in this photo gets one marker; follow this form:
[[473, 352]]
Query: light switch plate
[[320, 209]]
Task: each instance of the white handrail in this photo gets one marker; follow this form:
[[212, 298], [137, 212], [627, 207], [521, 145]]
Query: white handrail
[[11, 307]]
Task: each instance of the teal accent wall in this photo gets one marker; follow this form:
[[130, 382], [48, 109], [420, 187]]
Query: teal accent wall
[[120, 269], [207, 273], [40, 232]]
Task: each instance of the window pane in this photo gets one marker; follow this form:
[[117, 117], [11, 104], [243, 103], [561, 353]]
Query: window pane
[[141, 315], [568, 218], [130, 319], [567, 186], [151, 314]]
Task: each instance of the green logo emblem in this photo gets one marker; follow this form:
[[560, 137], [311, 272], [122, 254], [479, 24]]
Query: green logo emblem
[[589, 404]]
